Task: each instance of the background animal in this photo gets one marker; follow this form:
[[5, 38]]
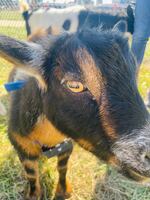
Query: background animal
[[77, 17], [81, 86]]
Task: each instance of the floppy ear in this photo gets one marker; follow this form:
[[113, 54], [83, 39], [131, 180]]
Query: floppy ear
[[120, 26], [27, 56]]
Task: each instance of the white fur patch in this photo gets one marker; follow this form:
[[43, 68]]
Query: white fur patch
[[55, 18], [24, 74], [20, 75]]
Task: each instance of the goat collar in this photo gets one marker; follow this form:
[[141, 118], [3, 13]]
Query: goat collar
[[63, 147], [16, 85]]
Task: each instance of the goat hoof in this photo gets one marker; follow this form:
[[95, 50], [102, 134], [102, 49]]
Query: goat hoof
[[61, 194], [60, 197]]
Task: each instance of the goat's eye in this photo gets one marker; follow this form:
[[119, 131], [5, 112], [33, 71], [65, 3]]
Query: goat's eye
[[75, 86]]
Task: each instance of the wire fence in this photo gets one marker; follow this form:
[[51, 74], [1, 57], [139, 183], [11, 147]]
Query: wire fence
[[11, 20], [11, 24]]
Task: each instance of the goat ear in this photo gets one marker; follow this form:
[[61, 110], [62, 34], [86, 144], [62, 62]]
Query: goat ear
[[27, 56], [121, 26]]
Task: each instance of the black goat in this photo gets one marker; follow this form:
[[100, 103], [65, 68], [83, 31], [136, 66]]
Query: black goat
[[80, 86]]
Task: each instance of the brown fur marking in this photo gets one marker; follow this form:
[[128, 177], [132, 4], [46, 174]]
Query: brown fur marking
[[37, 34], [32, 165], [86, 144], [88, 66], [44, 133], [107, 122], [95, 85], [63, 156], [32, 179]]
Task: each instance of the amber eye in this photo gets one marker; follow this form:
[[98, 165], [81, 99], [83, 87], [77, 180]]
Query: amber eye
[[75, 86]]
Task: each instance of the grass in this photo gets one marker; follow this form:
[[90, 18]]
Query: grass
[[16, 32], [86, 173], [10, 15], [144, 76]]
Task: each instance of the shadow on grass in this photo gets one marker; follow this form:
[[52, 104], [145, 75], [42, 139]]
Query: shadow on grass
[[117, 187]]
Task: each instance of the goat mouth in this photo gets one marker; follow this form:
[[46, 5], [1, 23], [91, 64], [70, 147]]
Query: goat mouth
[[135, 176], [130, 173]]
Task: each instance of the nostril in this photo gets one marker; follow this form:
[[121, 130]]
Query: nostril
[[147, 157]]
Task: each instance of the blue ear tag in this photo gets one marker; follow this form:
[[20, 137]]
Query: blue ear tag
[[11, 86]]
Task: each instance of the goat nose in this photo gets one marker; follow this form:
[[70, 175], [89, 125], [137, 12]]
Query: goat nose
[[144, 151], [147, 156]]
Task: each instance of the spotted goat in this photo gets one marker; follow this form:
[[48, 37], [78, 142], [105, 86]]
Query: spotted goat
[[80, 86], [75, 18]]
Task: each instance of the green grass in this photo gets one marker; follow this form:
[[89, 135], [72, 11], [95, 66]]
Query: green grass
[[10, 15], [85, 172], [144, 76], [16, 32]]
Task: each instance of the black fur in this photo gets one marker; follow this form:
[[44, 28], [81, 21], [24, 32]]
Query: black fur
[[98, 117], [77, 114], [67, 24], [106, 20], [29, 171], [27, 105], [32, 182]]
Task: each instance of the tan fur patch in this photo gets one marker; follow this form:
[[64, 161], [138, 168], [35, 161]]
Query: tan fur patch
[[37, 34], [55, 30], [44, 133], [27, 144], [95, 84], [107, 122], [36, 74], [112, 160], [91, 73], [85, 144]]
